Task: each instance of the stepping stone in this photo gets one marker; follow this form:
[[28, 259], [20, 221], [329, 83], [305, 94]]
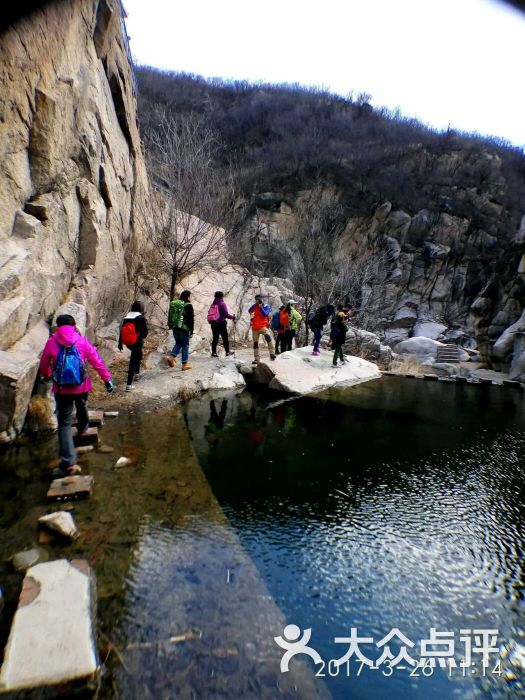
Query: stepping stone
[[431, 377], [81, 449], [90, 437], [71, 487], [52, 639], [95, 418], [111, 414], [60, 523]]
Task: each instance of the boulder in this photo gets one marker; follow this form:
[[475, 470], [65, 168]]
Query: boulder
[[425, 349], [368, 346], [429, 329], [405, 317], [298, 372]]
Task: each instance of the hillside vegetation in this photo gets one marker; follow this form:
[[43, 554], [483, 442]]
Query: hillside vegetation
[[285, 138]]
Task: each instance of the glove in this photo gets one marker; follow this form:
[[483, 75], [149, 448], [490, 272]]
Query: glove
[[110, 387]]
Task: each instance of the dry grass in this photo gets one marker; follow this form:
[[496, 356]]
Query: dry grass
[[408, 364]]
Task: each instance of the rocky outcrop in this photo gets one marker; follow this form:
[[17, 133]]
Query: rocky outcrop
[[72, 175], [444, 275]]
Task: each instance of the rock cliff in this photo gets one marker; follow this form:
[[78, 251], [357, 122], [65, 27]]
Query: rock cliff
[[72, 176]]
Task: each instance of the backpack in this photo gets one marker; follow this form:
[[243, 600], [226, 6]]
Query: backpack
[[176, 314], [129, 333], [275, 323], [70, 369], [213, 313]]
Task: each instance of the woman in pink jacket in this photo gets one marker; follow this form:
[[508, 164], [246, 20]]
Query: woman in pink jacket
[[64, 359]]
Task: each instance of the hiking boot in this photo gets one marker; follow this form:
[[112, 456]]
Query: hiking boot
[[71, 470], [272, 357], [334, 364], [170, 360], [214, 354], [82, 432], [186, 366], [255, 363], [229, 354], [316, 353], [129, 387]]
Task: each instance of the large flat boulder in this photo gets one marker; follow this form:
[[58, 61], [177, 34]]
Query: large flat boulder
[[298, 372], [52, 640]]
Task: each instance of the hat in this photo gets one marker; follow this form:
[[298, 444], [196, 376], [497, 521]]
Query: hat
[[292, 301], [258, 296]]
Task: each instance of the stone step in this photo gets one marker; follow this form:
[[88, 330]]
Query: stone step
[[52, 640], [70, 487], [96, 419], [90, 437], [449, 353]]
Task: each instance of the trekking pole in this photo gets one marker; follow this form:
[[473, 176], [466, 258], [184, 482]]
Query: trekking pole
[[234, 328]]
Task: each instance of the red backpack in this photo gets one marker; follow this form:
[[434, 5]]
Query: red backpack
[[213, 313], [129, 333]]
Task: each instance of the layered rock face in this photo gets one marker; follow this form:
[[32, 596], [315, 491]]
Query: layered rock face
[[446, 276], [72, 177]]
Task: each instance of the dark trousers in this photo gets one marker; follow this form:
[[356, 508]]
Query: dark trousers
[[64, 407], [219, 329], [286, 342], [279, 343], [135, 360]]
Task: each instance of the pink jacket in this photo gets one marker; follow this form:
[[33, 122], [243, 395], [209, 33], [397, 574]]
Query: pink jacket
[[67, 335]]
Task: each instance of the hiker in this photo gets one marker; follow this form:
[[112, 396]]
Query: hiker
[[64, 360], [317, 322], [217, 315], [259, 314], [180, 321], [295, 319], [280, 323], [133, 330], [338, 336]]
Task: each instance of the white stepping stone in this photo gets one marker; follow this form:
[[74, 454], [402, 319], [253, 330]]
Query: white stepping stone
[[51, 640]]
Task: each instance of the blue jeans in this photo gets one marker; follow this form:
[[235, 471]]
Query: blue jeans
[[318, 332], [64, 406], [182, 344]]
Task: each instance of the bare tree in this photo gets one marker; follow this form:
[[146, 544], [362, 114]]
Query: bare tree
[[326, 266], [190, 203], [313, 236]]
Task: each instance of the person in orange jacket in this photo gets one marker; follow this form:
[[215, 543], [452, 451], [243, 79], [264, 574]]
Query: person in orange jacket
[[260, 323]]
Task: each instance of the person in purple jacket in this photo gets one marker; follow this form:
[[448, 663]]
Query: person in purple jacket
[[217, 316], [67, 336]]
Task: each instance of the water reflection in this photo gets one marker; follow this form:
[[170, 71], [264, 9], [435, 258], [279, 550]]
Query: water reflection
[[392, 504]]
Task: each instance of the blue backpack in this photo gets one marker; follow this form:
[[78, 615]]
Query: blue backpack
[[275, 323], [70, 369]]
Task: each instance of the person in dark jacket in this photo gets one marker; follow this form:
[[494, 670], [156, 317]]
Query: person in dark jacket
[[317, 324], [183, 332], [136, 317], [338, 336], [219, 327]]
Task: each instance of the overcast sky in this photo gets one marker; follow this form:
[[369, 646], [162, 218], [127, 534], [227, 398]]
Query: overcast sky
[[457, 62]]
